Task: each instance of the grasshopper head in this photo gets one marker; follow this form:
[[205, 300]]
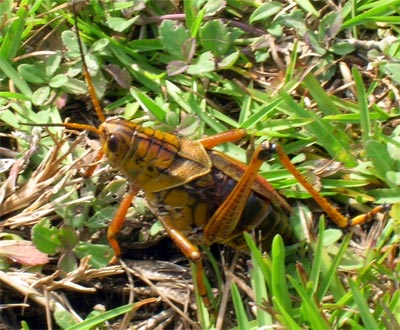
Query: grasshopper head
[[116, 136]]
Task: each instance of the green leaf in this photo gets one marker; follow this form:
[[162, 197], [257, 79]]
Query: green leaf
[[261, 113], [389, 196], [394, 148], [392, 70], [229, 61], [332, 236], [317, 260], [58, 80], [342, 48], [101, 218], [381, 159], [203, 64], [100, 255], [172, 36], [112, 190], [325, 102], [215, 37], [194, 18], [33, 73], [315, 42], [120, 24], [75, 86], [393, 177], [330, 25], [24, 325], [190, 9], [68, 237], [214, 6], [64, 318], [258, 258], [14, 96], [70, 41], [53, 64], [99, 46], [191, 105], [265, 11], [46, 237], [68, 262], [145, 45], [41, 95], [156, 228]]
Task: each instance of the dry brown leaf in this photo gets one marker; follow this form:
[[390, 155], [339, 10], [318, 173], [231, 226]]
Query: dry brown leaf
[[23, 252]]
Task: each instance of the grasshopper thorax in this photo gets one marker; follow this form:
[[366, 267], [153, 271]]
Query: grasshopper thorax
[[152, 159]]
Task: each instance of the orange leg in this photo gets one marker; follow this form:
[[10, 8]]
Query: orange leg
[[333, 213], [118, 221], [190, 251], [229, 136], [360, 219], [224, 221]]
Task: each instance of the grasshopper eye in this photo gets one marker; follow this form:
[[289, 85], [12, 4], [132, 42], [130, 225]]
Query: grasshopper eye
[[112, 143]]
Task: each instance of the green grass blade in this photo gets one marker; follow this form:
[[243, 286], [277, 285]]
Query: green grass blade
[[336, 286], [258, 258], [258, 282], [335, 141], [12, 38], [13, 75], [361, 302], [285, 317], [316, 265], [394, 306], [279, 286], [290, 71], [261, 113], [260, 290], [191, 105], [202, 311], [381, 160], [325, 103], [240, 312], [308, 7], [195, 22], [148, 104], [310, 310], [245, 109], [98, 319], [217, 271], [379, 9], [363, 105]]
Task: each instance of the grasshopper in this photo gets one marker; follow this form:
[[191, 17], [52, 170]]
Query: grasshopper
[[190, 187]]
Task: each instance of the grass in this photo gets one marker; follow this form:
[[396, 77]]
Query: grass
[[320, 79]]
